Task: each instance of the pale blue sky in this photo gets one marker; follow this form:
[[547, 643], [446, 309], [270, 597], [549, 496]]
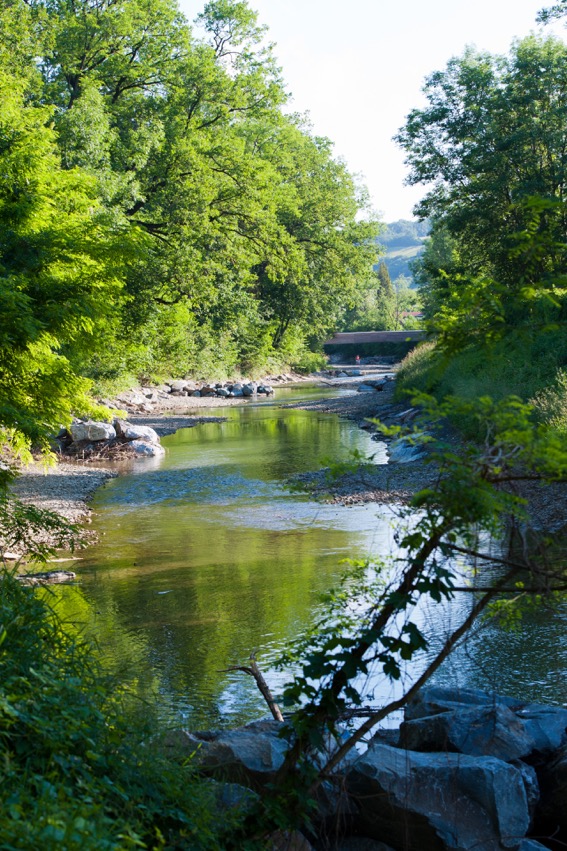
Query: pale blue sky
[[357, 66]]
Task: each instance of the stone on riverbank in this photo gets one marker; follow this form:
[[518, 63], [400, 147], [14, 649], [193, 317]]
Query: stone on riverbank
[[475, 723], [415, 799], [135, 432], [441, 801], [92, 431], [94, 440]]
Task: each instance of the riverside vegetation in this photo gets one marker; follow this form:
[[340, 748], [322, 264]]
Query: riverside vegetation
[[158, 206]]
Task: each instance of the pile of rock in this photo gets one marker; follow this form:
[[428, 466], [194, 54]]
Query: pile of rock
[[228, 390], [466, 770], [88, 439], [145, 400]]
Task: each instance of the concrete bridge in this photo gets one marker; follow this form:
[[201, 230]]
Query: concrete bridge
[[367, 343]]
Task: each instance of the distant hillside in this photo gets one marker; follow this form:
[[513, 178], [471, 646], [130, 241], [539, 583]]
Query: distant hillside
[[403, 241]]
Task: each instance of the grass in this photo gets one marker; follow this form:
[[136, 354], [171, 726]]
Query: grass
[[530, 368]]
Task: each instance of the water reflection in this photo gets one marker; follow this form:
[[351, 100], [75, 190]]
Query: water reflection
[[206, 556]]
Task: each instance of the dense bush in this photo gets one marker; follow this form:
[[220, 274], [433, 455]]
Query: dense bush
[[74, 774]]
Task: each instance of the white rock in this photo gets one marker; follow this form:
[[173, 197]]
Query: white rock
[[92, 431], [139, 432], [149, 450]]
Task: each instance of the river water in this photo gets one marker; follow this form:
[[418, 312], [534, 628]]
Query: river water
[[205, 556]]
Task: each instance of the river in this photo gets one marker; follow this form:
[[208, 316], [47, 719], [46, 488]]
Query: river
[[205, 555]]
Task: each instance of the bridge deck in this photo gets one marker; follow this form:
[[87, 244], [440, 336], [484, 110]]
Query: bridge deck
[[354, 337]]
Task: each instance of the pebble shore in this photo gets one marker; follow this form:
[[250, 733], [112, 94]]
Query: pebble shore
[[67, 487]]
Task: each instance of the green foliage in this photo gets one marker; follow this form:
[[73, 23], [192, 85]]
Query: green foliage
[[550, 404], [75, 775], [370, 625], [160, 213]]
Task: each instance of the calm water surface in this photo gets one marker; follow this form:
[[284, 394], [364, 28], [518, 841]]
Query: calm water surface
[[205, 555]]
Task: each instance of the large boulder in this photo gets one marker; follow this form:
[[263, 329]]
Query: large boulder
[[92, 431], [250, 755], [480, 724], [131, 431], [439, 802], [146, 449], [476, 731]]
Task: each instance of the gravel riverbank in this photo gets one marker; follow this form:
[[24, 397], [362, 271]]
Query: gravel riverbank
[[68, 487]]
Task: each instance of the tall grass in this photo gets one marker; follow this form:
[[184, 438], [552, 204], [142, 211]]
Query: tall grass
[[516, 365]]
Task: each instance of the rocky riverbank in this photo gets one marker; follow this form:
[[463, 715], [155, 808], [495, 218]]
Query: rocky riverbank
[[88, 454], [465, 770], [546, 504]]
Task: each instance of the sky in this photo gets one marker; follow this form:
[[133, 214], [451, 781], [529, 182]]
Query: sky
[[358, 66]]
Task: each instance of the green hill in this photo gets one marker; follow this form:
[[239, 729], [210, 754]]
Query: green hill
[[403, 241]]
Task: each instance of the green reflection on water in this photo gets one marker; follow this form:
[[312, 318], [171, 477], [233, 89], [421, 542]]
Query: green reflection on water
[[205, 556]]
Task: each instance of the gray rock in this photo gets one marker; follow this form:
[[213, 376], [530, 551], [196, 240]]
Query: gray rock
[[139, 432], [177, 745], [531, 785], [196, 393], [547, 725], [365, 388], [222, 391], [146, 449], [249, 755], [179, 393], [179, 385], [132, 397], [402, 451], [433, 699], [238, 392], [476, 731], [476, 723], [531, 845], [248, 390], [92, 431], [49, 577], [439, 802]]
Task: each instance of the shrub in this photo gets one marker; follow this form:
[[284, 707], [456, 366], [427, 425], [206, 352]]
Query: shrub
[[75, 775], [550, 404]]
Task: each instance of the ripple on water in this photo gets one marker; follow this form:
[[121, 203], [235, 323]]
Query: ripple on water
[[211, 485]]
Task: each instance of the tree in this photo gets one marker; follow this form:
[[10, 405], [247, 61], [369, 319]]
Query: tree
[[385, 288], [251, 224], [59, 272], [491, 138], [492, 143]]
